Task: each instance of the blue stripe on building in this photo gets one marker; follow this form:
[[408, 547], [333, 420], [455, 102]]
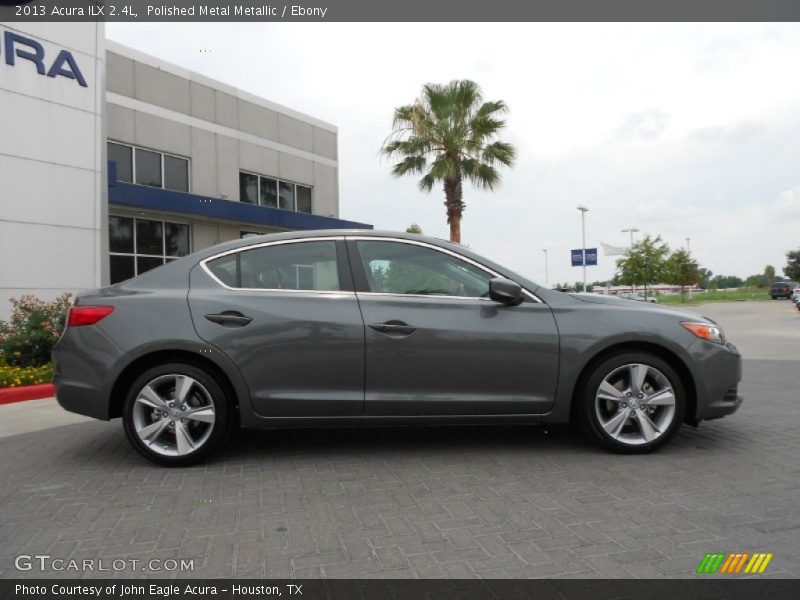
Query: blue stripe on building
[[143, 197]]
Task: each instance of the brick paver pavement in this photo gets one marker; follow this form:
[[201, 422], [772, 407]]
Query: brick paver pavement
[[421, 502]]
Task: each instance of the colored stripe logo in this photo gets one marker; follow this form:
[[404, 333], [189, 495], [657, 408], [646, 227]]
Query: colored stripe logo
[[734, 562]]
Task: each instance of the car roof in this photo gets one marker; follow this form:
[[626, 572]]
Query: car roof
[[315, 233]]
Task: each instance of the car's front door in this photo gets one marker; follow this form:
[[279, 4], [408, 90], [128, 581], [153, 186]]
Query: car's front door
[[437, 345], [286, 314]]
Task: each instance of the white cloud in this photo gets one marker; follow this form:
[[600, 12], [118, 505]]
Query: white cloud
[[646, 125], [569, 86]]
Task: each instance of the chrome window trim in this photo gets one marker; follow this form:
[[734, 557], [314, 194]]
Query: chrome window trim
[[208, 271], [466, 259]]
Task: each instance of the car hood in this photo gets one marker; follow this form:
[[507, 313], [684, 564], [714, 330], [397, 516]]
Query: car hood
[[638, 305]]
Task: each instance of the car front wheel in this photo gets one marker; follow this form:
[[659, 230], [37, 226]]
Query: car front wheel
[[176, 414], [632, 402]]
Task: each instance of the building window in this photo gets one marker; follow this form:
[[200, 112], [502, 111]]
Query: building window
[[303, 199], [138, 245], [248, 188], [150, 168], [176, 173], [123, 156], [268, 191]]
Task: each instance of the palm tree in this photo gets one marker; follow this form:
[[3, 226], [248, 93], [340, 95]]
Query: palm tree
[[448, 135]]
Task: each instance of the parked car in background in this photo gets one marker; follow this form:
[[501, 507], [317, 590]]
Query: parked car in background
[[349, 328], [782, 289], [639, 297]]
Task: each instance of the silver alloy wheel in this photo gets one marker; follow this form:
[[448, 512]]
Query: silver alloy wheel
[[635, 404], [173, 415]]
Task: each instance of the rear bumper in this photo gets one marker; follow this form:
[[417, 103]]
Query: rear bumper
[[79, 374], [80, 398]]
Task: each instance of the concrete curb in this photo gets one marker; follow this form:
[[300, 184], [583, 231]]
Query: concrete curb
[[26, 392]]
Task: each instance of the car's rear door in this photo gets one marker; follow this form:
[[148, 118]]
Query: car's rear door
[[437, 345], [286, 314]]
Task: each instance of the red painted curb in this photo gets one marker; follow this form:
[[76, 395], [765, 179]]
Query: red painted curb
[[27, 392]]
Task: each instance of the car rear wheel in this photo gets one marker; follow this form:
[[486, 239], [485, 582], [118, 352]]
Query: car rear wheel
[[632, 402], [176, 414]]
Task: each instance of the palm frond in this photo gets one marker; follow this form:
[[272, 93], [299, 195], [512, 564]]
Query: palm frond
[[410, 164], [426, 183], [501, 152]]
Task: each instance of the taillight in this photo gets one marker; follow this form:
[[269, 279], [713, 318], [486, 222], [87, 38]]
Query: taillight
[[87, 315]]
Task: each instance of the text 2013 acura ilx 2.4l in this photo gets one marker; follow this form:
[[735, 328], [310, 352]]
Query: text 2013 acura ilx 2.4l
[[369, 328]]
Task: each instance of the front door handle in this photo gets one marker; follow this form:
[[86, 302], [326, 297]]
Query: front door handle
[[230, 318], [394, 328]]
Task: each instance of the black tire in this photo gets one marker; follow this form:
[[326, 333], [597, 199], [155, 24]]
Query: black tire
[[587, 413], [223, 414], [774, 297]]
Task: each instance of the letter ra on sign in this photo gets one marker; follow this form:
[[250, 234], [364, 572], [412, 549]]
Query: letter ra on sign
[[17, 46]]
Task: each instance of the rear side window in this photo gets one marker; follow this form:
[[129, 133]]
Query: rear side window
[[300, 266]]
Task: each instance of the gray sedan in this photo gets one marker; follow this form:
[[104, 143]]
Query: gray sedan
[[366, 328]]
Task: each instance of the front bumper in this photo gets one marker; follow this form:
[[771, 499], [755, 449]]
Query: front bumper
[[718, 377]]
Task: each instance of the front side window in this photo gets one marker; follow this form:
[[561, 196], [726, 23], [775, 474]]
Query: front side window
[[399, 268], [297, 266]]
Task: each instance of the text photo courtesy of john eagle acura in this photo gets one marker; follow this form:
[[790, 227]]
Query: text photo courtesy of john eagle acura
[[367, 328]]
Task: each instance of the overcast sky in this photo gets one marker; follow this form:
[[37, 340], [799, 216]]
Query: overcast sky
[[678, 130]]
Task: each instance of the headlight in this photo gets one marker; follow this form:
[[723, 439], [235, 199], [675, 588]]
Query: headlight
[[709, 332]]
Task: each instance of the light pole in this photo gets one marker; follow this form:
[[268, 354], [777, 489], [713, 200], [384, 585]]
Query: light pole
[[583, 210], [689, 245], [546, 278], [632, 230]]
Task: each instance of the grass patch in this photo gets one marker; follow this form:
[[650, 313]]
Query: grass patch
[[740, 295]]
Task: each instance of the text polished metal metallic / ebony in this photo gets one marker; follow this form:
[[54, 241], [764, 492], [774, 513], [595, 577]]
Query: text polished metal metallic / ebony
[[369, 328]]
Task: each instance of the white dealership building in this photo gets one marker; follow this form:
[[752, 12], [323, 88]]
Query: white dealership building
[[113, 162]]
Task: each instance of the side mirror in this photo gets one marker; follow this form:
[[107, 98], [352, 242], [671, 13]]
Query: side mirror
[[505, 291]]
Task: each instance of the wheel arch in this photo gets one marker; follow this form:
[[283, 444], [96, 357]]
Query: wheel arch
[[664, 353], [151, 359]]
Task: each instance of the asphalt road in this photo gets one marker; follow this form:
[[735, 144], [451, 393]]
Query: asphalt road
[[423, 502]]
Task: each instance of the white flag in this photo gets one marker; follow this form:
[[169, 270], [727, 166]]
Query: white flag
[[614, 250]]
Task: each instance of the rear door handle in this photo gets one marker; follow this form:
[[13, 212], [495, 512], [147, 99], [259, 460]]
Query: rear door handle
[[229, 318], [393, 328]]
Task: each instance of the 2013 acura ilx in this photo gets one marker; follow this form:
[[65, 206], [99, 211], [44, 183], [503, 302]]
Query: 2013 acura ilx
[[362, 327]]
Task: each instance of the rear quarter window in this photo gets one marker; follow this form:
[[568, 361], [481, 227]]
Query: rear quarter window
[[224, 269]]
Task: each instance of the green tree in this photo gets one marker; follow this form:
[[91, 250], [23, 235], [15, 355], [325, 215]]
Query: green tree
[[769, 273], [414, 228], [757, 280], [727, 281], [705, 277], [645, 264], [681, 269], [792, 268], [449, 135]]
